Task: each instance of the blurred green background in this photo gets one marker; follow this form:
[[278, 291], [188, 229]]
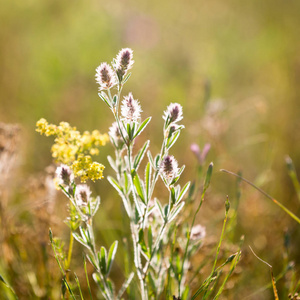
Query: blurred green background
[[233, 65]]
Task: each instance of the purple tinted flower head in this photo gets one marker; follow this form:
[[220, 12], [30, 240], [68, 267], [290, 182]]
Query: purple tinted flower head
[[82, 195], [124, 62], [105, 76], [131, 109], [169, 167], [64, 174], [173, 114]]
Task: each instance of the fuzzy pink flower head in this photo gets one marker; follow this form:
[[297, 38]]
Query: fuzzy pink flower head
[[64, 174], [82, 195], [198, 232], [173, 113], [105, 76], [169, 167], [124, 62], [131, 109]]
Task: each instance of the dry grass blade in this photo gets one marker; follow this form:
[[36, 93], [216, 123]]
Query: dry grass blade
[[272, 276]]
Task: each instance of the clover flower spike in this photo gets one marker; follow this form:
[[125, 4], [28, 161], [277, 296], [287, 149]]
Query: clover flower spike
[[173, 114], [105, 76], [124, 62], [131, 109], [82, 195], [64, 175], [169, 167]]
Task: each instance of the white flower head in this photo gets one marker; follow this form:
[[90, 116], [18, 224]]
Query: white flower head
[[173, 113], [82, 195], [131, 109], [105, 76], [169, 168], [124, 62], [198, 232], [64, 174]]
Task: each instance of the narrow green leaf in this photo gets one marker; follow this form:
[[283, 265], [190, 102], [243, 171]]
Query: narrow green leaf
[[208, 176], [173, 197], [183, 191], [126, 78], [102, 256], [140, 155], [112, 163], [111, 256], [147, 180], [176, 211], [125, 285], [150, 238], [173, 139], [103, 97], [115, 184], [142, 127], [159, 208], [150, 158], [142, 242], [139, 188]]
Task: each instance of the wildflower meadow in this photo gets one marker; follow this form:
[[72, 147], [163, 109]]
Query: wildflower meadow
[[149, 151]]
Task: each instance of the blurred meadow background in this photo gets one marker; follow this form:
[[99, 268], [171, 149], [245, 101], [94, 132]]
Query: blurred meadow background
[[233, 65]]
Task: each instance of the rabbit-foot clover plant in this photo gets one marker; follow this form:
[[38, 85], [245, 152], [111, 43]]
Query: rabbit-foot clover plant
[[162, 241]]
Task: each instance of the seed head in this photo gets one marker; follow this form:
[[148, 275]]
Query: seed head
[[64, 175], [131, 109], [173, 113], [105, 76], [124, 62], [82, 195], [169, 167]]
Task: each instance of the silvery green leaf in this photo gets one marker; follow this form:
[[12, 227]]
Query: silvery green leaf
[[126, 205], [115, 184], [92, 261], [150, 239], [105, 99], [125, 286], [173, 196], [166, 211], [178, 175], [142, 126], [115, 100], [126, 78], [111, 256], [140, 155], [139, 187], [159, 208], [208, 176], [102, 257], [175, 211], [126, 182], [147, 180], [171, 141], [151, 160], [78, 238], [157, 161], [112, 163], [182, 193]]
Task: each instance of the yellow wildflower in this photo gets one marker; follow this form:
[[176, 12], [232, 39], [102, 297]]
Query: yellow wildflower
[[72, 148]]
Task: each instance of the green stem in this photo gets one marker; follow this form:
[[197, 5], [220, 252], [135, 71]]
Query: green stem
[[68, 261], [266, 194]]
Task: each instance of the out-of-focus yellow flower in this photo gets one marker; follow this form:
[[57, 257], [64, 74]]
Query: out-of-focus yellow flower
[[72, 148], [85, 168]]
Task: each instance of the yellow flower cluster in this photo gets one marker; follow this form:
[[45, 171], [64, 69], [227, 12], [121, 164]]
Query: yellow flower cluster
[[74, 149], [85, 168]]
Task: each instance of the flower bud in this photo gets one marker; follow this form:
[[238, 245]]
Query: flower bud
[[105, 76]]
